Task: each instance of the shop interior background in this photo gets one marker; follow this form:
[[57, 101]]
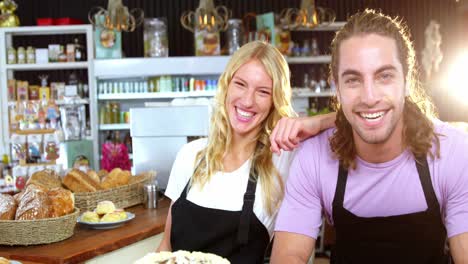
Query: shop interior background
[[452, 15]]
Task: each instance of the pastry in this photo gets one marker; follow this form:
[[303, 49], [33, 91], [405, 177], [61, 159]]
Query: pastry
[[111, 217], [90, 217], [115, 178], [7, 207], [34, 204], [4, 260], [105, 207], [94, 175], [102, 173], [122, 214], [62, 202], [47, 179], [78, 181]]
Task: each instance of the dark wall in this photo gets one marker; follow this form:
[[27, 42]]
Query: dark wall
[[417, 13]]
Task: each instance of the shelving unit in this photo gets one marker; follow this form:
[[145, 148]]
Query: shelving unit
[[7, 71], [301, 96], [143, 68]]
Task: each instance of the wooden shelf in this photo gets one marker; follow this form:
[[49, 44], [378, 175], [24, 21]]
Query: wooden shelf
[[33, 131]]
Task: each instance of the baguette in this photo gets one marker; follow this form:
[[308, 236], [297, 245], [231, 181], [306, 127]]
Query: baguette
[[78, 181]]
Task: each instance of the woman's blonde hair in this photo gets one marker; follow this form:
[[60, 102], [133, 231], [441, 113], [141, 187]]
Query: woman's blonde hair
[[418, 129], [210, 159]]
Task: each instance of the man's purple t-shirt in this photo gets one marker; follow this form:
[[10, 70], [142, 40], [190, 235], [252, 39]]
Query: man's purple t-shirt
[[383, 189]]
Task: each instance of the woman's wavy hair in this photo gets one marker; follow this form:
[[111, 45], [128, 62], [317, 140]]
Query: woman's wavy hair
[[210, 159], [418, 129]]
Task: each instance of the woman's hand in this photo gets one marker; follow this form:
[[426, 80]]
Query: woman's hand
[[290, 131]]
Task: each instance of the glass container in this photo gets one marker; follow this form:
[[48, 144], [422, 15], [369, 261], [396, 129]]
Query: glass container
[[155, 38], [234, 35]]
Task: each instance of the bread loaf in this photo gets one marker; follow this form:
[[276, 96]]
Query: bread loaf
[[62, 202], [78, 181], [116, 178], [34, 204], [7, 207], [93, 175], [47, 179]]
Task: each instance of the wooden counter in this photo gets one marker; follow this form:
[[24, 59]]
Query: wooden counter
[[89, 243]]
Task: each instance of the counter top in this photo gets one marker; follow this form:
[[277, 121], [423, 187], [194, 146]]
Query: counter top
[[89, 243]]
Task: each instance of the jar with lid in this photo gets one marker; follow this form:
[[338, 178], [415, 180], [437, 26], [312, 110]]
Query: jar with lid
[[234, 35], [21, 55], [30, 55], [155, 38], [11, 55]]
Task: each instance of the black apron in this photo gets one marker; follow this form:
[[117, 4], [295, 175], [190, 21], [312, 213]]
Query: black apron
[[410, 238], [238, 236]]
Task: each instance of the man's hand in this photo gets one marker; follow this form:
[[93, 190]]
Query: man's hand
[[290, 131]]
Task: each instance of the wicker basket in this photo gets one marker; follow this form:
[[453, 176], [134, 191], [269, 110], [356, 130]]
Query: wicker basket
[[34, 232], [123, 196]]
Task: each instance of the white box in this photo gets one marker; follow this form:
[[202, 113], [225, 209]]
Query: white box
[[42, 55]]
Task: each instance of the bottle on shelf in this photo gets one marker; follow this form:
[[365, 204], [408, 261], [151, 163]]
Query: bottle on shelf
[[80, 54], [314, 50], [21, 55], [11, 55]]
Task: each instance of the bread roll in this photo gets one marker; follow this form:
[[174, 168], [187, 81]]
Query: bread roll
[[78, 181], [116, 178], [90, 217], [7, 207], [102, 174], [34, 204], [62, 202], [47, 179], [94, 175], [122, 214], [110, 217], [105, 207]]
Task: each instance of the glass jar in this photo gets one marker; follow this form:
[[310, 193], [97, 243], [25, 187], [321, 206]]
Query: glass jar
[[155, 38], [30, 55], [234, 35], [21, 55], [115, 113], [11, 55]]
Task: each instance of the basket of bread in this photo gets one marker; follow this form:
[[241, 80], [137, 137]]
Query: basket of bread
[[42, 213], [118, 186]]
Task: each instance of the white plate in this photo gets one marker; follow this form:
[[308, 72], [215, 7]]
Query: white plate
[[14, 262], [108, 225]]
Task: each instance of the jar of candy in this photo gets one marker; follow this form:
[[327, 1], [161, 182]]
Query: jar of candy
[[234, 35], [155, 38]]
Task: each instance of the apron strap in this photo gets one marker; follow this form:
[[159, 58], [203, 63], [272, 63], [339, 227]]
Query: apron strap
[[340, 190], [426, 182], [247, 211]]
